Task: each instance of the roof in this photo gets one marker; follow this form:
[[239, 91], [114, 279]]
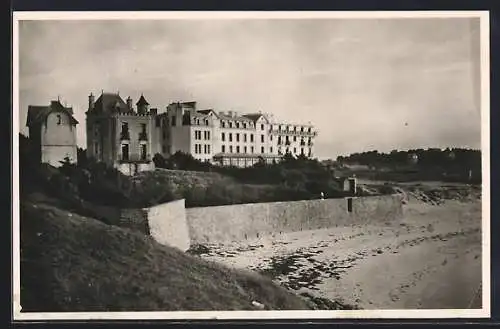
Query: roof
[[207, 112], [255, 116], [108, 102], [225, 116], [38, 114], [142, 101]]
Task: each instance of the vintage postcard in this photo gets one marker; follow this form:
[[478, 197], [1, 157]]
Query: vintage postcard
[[251, 165]]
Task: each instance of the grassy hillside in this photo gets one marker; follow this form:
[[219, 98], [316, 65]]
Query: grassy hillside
[[74, 263]]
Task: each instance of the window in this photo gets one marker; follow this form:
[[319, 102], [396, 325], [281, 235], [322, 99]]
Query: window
[[271, 149], [294, 129], [237, 137], [251, 138], [245, 149], [309, 130], [262, 127], [294, 150], [230, 124], [230, 148], [244, 125], [238, 149], [208, 148], [237, 124], [223, 124], [173, 121], [124, 151], [223, 148], [310, 151], [223, 137], [58, 119], [262, 149], [294, 138], [230, 137], [245, 138], [205, 149], [143, 151], [262, 138], [206, 135], [349, 205], [143, 128], [271, 138], [301, 129], [279, 140], [302, 150], [206, 122], [251, 149]]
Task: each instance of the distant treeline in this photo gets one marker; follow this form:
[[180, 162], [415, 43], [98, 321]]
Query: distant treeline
[[451, 163]]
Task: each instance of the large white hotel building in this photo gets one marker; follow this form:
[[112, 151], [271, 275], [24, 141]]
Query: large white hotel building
[[128, 138]]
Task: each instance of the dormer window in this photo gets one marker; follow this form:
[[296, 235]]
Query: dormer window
[[223, 124], [237, 124], [230, 125]]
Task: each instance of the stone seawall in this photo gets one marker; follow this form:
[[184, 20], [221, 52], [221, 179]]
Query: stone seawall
[[172, 224], [247, 221]]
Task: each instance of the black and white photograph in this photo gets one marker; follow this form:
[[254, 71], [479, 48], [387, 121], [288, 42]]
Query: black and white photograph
[[251, 165]]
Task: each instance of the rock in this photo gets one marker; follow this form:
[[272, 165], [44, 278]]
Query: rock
[[258, 305]]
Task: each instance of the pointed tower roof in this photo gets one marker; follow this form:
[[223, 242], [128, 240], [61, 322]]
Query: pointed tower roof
[[142, 101]]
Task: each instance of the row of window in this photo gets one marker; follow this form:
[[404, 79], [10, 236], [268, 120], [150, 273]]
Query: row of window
[[237, 148], [244, 150], [287, 140], [202, 149], [244, 136], [288, 128], [125, 152], [206, 135], [237, 124]]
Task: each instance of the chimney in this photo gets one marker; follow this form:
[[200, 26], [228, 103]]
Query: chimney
[[91, 101], [130, 104]]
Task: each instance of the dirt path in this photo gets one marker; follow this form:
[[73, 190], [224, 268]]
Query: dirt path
[[432, 259]]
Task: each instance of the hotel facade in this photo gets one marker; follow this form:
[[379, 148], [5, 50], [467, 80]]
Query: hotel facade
[[128, 138]]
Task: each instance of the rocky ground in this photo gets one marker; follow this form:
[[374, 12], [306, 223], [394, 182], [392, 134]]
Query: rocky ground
[[431, 259]]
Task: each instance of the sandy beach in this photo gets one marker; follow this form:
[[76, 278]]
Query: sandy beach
[[431, 259]]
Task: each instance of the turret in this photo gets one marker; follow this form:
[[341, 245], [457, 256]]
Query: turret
[[142, 105]]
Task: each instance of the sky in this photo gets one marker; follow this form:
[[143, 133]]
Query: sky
[[365, 84]]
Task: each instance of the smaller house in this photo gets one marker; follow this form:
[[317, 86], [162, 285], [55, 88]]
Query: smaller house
[[52, 130]]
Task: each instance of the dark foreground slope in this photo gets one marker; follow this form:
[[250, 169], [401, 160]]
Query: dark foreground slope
[[74, 263]]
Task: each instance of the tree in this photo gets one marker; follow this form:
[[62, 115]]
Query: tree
[[159, 161]]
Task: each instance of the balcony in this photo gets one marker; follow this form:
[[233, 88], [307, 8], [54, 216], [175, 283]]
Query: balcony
[[135, 158], [293, 133], [125, 135], [143, 136]]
